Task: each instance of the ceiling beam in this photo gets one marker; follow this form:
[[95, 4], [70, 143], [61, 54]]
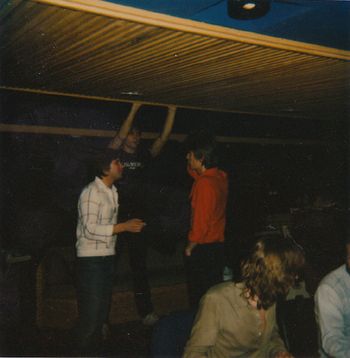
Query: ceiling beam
[[110, 99], [83, 132]]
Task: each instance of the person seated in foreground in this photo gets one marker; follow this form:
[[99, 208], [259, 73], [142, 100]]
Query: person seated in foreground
[[332, 309], [238, 319]]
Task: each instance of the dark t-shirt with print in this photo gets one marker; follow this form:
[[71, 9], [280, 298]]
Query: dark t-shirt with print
[[132, 186]]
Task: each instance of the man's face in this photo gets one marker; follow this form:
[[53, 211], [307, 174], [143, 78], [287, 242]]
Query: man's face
[[132, 140], [116, 169], [193, 163]]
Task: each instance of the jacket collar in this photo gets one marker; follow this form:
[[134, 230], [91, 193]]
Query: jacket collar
[[210, 172], [103, 186]]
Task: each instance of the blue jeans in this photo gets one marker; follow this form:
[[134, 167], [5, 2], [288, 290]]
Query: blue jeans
[[94, 288]]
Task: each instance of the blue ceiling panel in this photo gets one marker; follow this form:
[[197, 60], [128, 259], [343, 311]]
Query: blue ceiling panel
[[321, 22]]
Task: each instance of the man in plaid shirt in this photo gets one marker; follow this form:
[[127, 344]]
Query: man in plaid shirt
[[97, 231]]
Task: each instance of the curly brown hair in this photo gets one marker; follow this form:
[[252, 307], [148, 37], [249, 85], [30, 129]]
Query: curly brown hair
[[274, 266]]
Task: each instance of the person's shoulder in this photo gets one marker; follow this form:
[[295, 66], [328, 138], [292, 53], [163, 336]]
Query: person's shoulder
[[224, 289], [211, 181], [214, 174], [335, 275], [222, 172], [91, 189], [225, 295], [336, 280], [91, 185], [222, 175]]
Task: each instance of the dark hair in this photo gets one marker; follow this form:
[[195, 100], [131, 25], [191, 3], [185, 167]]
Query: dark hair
[[274, 266], [203, 146], [103, 160]]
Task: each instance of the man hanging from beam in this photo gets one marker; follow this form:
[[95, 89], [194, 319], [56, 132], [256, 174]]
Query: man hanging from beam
[[131, 197]]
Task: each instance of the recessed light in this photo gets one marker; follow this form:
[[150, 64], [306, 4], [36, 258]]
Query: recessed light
[[131, 93], [247, 9], [249, 6]]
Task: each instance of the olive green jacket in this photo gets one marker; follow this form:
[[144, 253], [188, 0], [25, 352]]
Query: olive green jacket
[[227, 326]]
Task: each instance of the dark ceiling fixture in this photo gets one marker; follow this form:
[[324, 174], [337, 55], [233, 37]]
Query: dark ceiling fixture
[[247, 9], [253, 9]]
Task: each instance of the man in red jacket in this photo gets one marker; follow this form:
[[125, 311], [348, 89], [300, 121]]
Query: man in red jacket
[[204, 253]]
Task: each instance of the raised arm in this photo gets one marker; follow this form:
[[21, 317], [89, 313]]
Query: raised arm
[[168, 126], [118, 139]]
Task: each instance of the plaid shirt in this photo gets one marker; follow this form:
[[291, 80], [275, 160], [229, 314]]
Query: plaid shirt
[[98, 211]]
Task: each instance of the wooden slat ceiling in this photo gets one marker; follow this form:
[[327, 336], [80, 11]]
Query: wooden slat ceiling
[[106, 51]]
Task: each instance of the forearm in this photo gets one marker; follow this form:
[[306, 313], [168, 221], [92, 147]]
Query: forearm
[[125, 128], [118, 228], [198, 232], [337, 348], [335, 344], [204, 203], [164, 136], [201, 218], [132, 225], [168, 126]]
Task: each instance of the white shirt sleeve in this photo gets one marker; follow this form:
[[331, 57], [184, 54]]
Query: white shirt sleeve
[[330, 316], [90, 213]]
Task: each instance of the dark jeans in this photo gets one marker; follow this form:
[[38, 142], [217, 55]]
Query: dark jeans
[[94, 288], [204, 269], [171, 333], [137, 250]]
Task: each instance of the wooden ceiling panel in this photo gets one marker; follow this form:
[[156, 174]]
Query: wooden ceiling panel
[[91, 48]]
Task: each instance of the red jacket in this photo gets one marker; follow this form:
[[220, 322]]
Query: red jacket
[[208, 201]]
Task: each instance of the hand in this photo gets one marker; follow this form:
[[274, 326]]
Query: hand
[[189, 248], [283, 354], [134, 225]]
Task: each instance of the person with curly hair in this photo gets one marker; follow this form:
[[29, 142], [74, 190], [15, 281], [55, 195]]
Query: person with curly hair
[[238, 319]]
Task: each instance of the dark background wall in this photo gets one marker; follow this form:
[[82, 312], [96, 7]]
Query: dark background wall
[[42, 175]]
